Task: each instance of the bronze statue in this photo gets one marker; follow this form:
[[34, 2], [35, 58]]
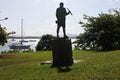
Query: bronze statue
[[61, 17], [61, 47]]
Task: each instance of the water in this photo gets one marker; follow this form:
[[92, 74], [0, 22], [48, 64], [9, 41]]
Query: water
[[32, 44], [10, 41]]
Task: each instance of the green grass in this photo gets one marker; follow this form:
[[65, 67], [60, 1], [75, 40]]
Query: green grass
[[27, 66]]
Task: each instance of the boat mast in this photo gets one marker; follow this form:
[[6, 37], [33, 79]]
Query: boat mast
[[21, 29]]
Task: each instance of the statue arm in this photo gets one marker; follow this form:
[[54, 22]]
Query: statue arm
[[57, 13], [66, 13]]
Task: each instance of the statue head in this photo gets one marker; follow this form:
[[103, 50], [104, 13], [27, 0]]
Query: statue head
[[61, 4]]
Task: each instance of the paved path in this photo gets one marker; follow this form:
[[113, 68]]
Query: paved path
[[50, 61]]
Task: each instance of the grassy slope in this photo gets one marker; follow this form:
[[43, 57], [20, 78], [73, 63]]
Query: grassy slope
[[26, 66]]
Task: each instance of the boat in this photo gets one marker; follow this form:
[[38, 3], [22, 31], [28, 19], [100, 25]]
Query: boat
[[20, 44]]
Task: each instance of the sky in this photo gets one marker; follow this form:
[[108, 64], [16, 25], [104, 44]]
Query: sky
[[39, 15]]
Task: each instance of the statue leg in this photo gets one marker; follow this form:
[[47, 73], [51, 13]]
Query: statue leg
[[64, 32], [58, 28], [63, 26]]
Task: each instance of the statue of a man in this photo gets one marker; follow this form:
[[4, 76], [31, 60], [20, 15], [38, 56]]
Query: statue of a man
[[60, 15]]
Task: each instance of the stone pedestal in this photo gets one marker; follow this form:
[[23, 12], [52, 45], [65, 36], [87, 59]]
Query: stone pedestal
[[62, 52]]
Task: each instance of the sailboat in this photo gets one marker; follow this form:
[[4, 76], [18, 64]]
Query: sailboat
[[20, 45]]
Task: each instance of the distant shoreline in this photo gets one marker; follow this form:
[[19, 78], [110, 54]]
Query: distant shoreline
[[33, 37]]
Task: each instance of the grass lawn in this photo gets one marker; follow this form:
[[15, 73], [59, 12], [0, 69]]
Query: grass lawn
[[27, 66]]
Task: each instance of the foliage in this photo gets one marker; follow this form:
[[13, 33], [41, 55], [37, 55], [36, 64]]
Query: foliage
[[94, 66], [101, 32], [45, 43], [29, 50], [3, 36], [16, 51]]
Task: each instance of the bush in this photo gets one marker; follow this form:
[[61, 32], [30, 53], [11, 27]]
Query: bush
[[45, 43]]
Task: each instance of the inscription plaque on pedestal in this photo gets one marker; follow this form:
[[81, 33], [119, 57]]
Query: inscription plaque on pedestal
[[62, 52]]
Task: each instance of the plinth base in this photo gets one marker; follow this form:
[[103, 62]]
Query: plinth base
[[62, 52]]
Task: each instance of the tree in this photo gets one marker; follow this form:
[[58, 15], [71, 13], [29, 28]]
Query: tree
[[101, 32], [45, 43], [4, 35]]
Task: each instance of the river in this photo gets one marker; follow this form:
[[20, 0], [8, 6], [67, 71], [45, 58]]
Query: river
[[30, 42]]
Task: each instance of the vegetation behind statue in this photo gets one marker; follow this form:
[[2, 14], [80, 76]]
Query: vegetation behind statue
[[101, 32], [45, 43], [4, 35]]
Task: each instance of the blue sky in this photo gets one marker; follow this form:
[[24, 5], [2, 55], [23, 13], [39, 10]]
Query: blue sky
[[39, 15]]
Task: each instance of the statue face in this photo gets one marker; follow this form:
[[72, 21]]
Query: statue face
[[61, 4]]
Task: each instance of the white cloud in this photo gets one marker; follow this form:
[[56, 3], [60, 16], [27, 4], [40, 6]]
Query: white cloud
[[37, 0], [60, 0], [117, 0], [113, 0]]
